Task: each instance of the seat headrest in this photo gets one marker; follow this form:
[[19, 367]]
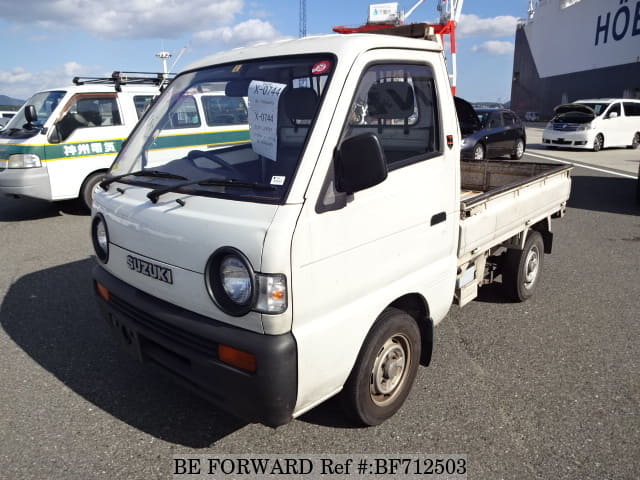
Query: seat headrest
[[300, 103]]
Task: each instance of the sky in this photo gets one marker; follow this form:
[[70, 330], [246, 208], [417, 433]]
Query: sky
[[48, 42]]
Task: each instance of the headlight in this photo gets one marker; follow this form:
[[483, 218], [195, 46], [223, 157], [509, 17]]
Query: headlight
[[237, 289], [549, 126], [100, 238], [24, 160], [231, 281], [582, 128], [236, 280]]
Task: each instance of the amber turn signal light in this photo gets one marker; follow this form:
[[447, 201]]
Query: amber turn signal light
[[237, 358], [103, 292]]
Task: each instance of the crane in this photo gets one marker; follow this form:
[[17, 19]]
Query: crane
[[302, 21], [389, 15]]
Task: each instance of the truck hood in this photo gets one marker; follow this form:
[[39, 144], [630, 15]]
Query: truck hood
[[574, 108], [183, 236]]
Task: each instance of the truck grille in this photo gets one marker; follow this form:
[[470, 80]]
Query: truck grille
[[167, 330]]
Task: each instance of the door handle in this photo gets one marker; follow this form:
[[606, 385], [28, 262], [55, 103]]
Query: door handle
[[438, 218]]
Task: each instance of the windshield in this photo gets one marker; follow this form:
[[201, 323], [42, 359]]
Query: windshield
[[229, 130], [44, 102]]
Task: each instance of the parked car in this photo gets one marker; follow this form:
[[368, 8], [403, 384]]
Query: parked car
[[594, 124], [489, 132]]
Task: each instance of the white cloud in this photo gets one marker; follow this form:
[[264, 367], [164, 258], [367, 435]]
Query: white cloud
[[20, 83], [122, 18], [494, 47], [473, 26], [250, 31]]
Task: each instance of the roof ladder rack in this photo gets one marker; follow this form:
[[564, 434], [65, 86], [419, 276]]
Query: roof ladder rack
[[117, 79]]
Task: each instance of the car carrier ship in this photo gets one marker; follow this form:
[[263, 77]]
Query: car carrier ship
[[571, 49]]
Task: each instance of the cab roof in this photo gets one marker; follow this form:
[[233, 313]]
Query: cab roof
[[343, 46]]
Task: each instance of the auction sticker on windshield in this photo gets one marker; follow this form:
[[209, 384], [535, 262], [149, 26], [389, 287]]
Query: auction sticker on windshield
[[263, 117]]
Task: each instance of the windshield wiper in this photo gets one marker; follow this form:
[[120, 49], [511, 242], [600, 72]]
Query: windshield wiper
[[208, 182], [140, 173]]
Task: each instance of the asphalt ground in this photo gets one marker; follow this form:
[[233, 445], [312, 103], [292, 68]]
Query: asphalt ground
[[546, 389]]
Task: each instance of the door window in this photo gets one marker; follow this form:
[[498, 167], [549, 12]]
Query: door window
[[89, 112], [632, 109], [142, 103], [185, 115], [494, 120], [222, 110], [615, 108], [509, 119], [397, 103]]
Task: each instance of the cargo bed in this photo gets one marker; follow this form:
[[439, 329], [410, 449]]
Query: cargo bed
[[500, 199]]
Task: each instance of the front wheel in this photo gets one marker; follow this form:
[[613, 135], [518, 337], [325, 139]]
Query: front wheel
[[635, 143], [385, 370], [518, 149], [598, 143], [522, 268], [86, 192]]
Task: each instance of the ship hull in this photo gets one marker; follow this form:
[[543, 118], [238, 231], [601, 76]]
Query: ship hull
[[568, 54]]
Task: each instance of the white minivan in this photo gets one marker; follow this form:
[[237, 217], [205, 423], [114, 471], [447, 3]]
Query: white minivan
[[595, 124], [61, 143]]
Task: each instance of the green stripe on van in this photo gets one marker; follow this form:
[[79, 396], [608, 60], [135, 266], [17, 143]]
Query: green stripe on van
[[62, 151], [207, 138], [7, 149]]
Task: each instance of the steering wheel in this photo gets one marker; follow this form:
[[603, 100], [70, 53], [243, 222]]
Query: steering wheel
[[195, 154]]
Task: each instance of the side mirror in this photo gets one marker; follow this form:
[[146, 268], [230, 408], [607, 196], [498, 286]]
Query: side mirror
[[54, 134], [360, 163], [613, 115], [30, 114]]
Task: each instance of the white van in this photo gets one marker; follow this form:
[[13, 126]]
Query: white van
[[594, 124], [62, 141]]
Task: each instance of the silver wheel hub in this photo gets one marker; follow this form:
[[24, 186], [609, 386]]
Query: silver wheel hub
[[519, 148], [389, 369], [532, 267]]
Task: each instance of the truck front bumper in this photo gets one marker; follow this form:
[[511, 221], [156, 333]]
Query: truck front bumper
[[25, 182], [185, 344]]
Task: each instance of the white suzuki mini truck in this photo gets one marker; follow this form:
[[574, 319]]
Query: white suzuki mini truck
[[316, 257]]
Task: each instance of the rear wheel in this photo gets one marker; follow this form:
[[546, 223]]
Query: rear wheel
[[478, 152], [518, 149], [522, 268], [86, 192], [635, 143], [385, 370], [598, 143]]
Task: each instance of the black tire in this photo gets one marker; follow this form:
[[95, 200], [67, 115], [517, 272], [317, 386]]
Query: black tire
[[522, 268], [598, 143], [86, 191], [635, 143], [385, 369], [479, 152], [518, 149]]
